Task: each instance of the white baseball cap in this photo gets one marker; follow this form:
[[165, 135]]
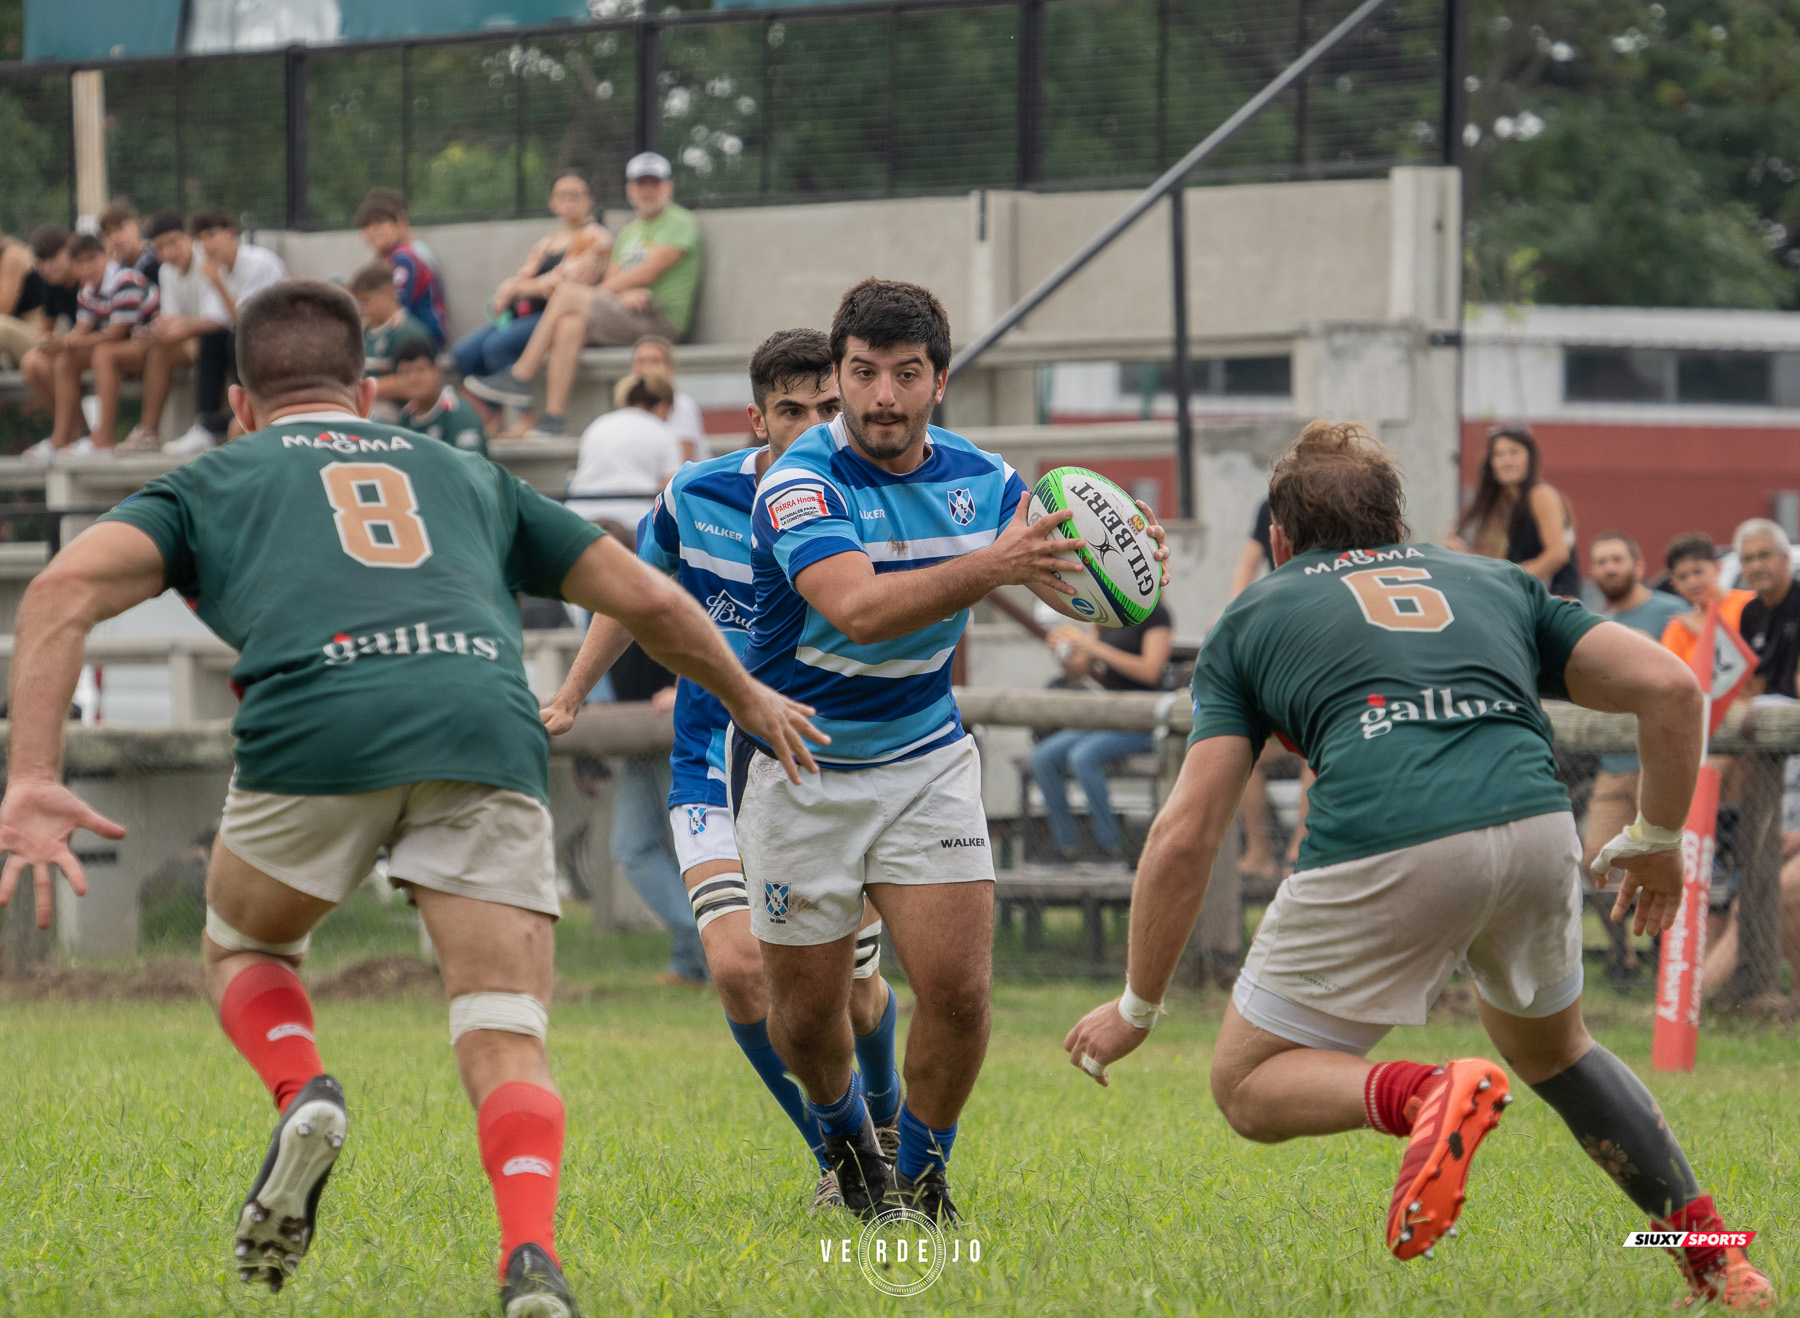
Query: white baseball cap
[[648, 164]]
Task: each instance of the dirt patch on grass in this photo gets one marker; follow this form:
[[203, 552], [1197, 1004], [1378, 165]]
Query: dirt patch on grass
[[380, 979], [171, 979], [167, 980]]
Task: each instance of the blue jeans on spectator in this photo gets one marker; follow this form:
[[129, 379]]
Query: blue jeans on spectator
[[1086, 755], [491, 349], [643, 847]]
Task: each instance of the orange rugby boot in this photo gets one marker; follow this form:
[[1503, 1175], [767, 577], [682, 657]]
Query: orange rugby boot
[[1453, 1119], [1734, 1283]]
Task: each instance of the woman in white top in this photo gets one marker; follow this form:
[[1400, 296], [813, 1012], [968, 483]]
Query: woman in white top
[[628, 455]]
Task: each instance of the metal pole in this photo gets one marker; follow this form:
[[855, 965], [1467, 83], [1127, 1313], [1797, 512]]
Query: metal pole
[[519, 81], [1031, 92], [406, 123], [1455, 110], [1173, 176], [1184, 420], [181, 78], [647, 99]]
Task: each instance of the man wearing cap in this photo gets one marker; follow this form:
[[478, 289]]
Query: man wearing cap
[[648, 289]]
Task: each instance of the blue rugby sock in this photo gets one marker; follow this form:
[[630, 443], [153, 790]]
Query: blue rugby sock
[[875, 1059], [921, 1146], [844, 1118], [754, 1040]]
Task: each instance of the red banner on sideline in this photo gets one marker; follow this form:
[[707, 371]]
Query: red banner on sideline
[[1679, 978]]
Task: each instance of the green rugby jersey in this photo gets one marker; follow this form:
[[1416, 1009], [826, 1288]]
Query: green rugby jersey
[[449, 419], [366, 577], [1409, 678]]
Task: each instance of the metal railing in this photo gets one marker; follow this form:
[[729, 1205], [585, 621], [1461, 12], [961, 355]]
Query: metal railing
[[1176, 178], [906, 97]]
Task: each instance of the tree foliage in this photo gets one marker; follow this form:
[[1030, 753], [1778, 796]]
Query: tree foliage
[[1635, 153]]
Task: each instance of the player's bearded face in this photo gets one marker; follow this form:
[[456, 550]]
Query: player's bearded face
[[888, 396]]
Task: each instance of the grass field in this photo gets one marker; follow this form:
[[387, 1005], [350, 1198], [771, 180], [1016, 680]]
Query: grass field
[[129, 1133]]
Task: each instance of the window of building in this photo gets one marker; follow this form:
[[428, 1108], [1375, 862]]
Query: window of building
[[1723, 377], [1617, 375], [1243, 377]]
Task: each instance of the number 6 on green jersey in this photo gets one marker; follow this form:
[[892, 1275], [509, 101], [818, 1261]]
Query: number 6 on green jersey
[[1391, 602], [376, 513]]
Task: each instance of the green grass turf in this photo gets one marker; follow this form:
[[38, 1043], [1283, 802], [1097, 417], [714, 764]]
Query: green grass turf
[[128, 1134]]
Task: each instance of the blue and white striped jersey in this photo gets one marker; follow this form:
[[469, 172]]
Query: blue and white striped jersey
[[699, 530], [890, 700]]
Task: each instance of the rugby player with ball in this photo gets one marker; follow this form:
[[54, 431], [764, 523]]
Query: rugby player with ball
[[872, 538], [1439, 837]]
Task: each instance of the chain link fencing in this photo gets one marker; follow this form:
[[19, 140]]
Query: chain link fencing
[[851, 101]]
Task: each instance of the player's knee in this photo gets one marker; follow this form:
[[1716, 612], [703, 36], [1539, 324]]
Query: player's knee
[[228, 940], [737, 974], [518, 1015], [962, 998], [1228, 1091]]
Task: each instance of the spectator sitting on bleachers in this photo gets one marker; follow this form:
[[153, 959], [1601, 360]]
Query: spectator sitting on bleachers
[[1694, 572], [386, 325], [430, 406], [655, 355], [403, 208], [577, 253], [238, 271], [627, 455], [1770, 622], [48, 304], [114, 301], [123, 235], [416, 283], [17, 335], [126, 356], [648, 288], [1119, 659], [191, 328]]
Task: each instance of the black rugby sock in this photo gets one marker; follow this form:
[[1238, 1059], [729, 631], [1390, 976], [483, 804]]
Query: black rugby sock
[[1621, 1128]]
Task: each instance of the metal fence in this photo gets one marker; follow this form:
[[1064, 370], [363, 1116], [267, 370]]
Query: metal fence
[[857, 100]]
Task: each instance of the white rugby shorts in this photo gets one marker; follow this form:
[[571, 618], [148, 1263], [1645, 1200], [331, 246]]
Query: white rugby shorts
[[702, 833], [467, 839], [1346, 952], [809, 850]]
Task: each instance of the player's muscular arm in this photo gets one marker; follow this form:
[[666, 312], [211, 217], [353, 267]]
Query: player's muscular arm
[[1617, 670], [868, 606], [1171, 883], [105, 571], [675, 631], [605, 641]]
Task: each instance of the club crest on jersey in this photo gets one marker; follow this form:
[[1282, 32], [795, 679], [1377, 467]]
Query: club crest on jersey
[[962, 506], [696, 820], [1435, 705], [775, 901]]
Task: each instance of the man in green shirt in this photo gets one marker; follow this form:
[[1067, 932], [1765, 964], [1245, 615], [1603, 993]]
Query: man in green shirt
[[1438, 836], [648, 288], [432, 407], [367, 578]]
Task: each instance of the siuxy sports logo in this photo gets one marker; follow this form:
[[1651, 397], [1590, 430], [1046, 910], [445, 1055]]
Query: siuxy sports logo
[[526, 1165], [1687, 1239], [416, 639], [1435, 705]]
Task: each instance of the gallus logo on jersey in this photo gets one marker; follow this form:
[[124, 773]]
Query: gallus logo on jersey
[[796, 506], [1434, 705], [418, 639], [724, 611], [962, 506]]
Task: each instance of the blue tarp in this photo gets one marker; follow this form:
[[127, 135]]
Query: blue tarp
[[101, 29]]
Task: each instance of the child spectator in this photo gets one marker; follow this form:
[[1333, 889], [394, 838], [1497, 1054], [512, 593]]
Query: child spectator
[[1694, 572], [192, 328], [114, 301], [416, 284], [386, 326], [432, 407], [47, 304], [123, 235], [403, 208]]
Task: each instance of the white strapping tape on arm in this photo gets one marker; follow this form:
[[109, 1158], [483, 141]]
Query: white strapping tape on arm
[[224, 936], [510, 1013], [1641, 838]]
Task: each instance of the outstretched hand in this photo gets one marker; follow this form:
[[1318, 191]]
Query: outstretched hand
[[1032, 555], [37, 819], [1101, 1038], [783, 725], [1655, 880]]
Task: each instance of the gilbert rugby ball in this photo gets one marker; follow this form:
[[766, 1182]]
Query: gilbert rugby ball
[[1117, 583]]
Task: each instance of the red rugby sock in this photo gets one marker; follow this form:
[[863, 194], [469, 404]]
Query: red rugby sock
[[520, 1127], [1698, 1215], [1389, 1091], [267, 1015]]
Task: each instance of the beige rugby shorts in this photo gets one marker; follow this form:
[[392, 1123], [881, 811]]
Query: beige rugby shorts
[[1347, 951], [467, 839]]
